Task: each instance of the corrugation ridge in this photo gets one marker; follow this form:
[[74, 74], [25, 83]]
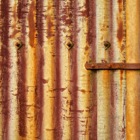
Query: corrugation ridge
[[103, 35], [118, 84], [83, 82], [5, 65], [13, 35], [111, 53], [48, 79], [66, 45], [31, 70]]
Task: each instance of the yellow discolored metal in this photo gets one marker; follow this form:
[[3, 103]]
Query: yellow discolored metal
[[46, 93], [132, 77], [103, 77], [30, 46]]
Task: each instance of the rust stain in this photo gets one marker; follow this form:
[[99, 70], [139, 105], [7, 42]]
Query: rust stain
[[120, 5], [4, 69], [32, 24], [22, 73], [58, 78], [67, 17], [120, 31], [50, 27], [74, 68], [120, 1], [91, 38], [121, 76], [40, 64], [71, 30]]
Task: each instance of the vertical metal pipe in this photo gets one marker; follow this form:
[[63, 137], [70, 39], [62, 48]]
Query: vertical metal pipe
[[133, 77], [103, 77]]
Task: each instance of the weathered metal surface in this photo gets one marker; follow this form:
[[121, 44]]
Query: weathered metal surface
[[112, 66], [46, 93], [133, 77]]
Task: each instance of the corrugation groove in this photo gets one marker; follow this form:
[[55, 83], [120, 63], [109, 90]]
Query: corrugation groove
[[46, 93]]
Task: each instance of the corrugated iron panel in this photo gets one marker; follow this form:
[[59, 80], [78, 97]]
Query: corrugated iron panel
[[46, 92]]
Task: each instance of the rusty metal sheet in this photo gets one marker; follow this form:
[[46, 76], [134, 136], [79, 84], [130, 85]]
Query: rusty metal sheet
[[46, 93]]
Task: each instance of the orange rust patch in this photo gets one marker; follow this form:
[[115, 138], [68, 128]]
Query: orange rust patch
[[120, 1], [50, 23], [120, 31], [121, 77], [86, 48], [120, 5], [82, 90], [31, 25]]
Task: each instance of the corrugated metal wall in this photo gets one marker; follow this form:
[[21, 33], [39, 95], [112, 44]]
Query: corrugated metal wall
[[45, 91]]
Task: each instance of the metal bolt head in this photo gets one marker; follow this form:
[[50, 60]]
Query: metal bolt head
[[107, 45], [19, 45], [70, 45]]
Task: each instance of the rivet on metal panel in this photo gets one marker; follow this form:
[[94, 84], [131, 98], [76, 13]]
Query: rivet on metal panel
[[107, 45], [19, 45], [70, 45]]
